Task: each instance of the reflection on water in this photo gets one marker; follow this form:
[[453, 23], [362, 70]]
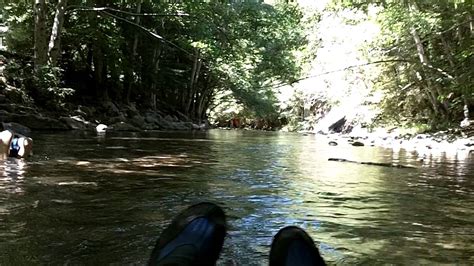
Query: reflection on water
[[87, 199], [11, 179]]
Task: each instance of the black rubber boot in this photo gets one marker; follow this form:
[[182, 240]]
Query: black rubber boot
[[194, 237], [293, 246]]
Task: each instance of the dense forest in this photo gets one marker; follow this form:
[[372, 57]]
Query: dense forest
[[227, 62]]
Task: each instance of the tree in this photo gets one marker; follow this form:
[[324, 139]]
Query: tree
[[41, 43], [54, 41]]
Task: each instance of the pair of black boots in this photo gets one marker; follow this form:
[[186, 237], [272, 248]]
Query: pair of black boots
[[196, 237]]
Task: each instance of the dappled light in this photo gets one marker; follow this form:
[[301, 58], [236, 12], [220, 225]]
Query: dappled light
[[264, 181], [148, 165], [351, 120], [12, 175]]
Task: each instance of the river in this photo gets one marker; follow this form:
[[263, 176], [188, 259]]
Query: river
[[88, 199]]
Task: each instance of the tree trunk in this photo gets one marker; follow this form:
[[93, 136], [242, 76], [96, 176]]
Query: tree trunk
[[137, 21], [41, 37], [447, 51], [200, 110], [98, 61], [134, 53], [156, 60], [440, 107], [471, 24], [55, 39], [192, 84]]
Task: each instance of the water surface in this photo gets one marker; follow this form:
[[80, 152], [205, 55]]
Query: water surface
[[88, 199]]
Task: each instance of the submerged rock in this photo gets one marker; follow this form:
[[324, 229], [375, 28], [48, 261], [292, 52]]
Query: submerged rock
[[357, 144], [332, 143]]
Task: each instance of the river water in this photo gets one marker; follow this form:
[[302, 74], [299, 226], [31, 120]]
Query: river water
[[88, 199]]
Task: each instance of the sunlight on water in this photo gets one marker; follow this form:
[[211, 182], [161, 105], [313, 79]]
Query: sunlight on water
[[102, 200]]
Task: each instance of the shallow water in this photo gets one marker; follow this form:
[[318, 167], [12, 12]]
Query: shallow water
[[88, 199]]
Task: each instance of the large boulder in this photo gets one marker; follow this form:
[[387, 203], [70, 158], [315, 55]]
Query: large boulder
[[152, 118], [115, 120], [111, 109], [183, 117], [164, 124], [77, 123], [137, 121], [131, 110], [38, 122], [84, 111], [122, 126], [17, 128]]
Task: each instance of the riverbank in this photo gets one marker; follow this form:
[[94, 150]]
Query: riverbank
[[123, 118], [454, 142], [21, 115], [23, 119]]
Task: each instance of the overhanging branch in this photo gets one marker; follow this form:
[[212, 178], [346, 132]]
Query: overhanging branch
[[105, 10], [444, 73], [97, 9]]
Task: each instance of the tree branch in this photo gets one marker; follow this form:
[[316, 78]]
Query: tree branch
[[97, 9], [151, 33], [366, 64]]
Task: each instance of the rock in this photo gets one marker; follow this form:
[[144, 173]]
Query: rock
[[122, 126], [111, 109], [168, 118], [38, 122], [84, 111], [337, 125], [131, 110], [332, 143], [17, 128], [76, 123], [116, 119], [151, 127], [8, 107], [181, 125], [187, 125], [183, 117], [101, 128], [164, 124], [357, 144], [17, 108], [4, 115], [137, 121], [152, 118], [465, 123]]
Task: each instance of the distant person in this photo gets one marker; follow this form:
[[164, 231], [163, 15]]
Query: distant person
[[196, 236], [15, 145]]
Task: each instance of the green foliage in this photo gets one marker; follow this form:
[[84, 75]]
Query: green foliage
[[42, 87], [433, 92], [185, 54], [47, 90], [19, 18]]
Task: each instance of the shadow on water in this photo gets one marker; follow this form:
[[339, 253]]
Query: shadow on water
[[104, 199]]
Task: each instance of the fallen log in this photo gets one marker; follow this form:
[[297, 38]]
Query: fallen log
[[395, 165]]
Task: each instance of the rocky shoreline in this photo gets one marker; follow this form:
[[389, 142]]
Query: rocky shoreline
[[22, 119], [454, 142], [19, 117]]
